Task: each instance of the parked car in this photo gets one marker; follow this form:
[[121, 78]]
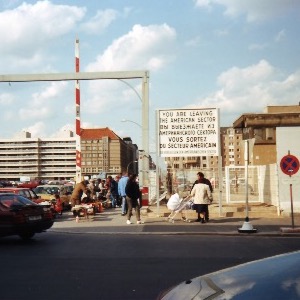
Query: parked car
[[275, 277], [20, 216], [29, 184], [48, 192], [25, 192]]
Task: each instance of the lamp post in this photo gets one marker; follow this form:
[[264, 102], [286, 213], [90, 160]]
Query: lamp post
[[134, 161], [125, 120], [145, 124]]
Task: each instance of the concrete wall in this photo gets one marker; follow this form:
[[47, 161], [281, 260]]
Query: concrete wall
[[288, 139]]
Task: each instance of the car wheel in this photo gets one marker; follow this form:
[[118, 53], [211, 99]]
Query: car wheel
[[26, 235]]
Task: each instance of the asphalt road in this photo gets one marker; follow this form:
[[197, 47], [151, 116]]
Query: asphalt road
[[91, 266]]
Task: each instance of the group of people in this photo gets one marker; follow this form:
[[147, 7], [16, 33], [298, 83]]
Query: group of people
[[122, 191]]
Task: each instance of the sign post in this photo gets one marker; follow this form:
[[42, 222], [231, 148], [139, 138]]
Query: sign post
[[289, 165], [247, 226], [190, 132]]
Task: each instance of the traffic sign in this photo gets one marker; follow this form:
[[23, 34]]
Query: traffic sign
[[289, 164]]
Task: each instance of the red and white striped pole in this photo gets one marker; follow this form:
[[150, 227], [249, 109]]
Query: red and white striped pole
[[77, 124]]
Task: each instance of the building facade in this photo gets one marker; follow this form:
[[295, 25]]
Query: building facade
[[261, 129], [36, 158], [55, 158], [104, 151]]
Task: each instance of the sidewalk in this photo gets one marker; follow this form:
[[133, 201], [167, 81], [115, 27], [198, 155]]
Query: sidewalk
[[111, 221]]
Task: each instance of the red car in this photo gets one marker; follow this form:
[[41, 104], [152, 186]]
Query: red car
[[25, 192], [29, 184], [20, 216]]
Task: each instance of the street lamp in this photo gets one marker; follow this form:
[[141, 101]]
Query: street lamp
[[145, 122], [125, 120], [134, 161]]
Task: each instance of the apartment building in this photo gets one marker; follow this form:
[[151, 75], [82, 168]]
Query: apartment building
[[55, 158], [42, 158], [104, 151], [261, 128]]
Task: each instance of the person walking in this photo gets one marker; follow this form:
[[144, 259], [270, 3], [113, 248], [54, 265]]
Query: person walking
[[113, 189], [202, 197], [132, 191], [201, 178], [122, 193]]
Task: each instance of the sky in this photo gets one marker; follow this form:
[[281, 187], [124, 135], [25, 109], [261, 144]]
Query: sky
[[238, 56]]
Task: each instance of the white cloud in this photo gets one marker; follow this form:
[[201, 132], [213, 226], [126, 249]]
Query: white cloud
[[34, 24], [37, 130], [254, 10], [251, 88], [194, 42], [64, 131], [203, 3], [100, 21], [257, 47], [138, 49], [143, 48], [6, 99], [43, 105], [280, 36]]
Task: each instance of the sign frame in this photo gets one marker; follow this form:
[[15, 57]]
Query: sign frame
[[188, 132]]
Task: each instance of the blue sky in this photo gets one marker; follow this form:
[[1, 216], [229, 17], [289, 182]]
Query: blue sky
[[239, 56]]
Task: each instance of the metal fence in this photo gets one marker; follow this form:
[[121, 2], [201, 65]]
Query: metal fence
[[262, 183]]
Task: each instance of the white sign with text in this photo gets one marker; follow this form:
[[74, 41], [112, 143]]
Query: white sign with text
[[188, 132]]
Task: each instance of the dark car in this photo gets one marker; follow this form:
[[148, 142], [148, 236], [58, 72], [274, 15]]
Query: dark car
[[20, 216], [276, 277]]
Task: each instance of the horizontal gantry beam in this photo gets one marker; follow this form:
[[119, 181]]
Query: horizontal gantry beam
[[73, 76]]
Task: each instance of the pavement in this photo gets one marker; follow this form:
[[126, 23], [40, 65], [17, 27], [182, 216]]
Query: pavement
[[156, 222]]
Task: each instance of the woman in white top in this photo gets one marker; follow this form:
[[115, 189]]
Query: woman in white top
[[202, 197]]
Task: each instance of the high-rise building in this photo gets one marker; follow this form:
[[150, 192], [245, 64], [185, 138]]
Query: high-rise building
[[104, 151], [37, 158], [55, 158]]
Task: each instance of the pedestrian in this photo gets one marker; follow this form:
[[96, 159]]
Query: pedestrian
[[113, 191], [201, 178], [92, 188], [132, 191], [118, 198], [58, 204], [169, 182], [78, 191], [202, 198], [102, 189], [121, 190]]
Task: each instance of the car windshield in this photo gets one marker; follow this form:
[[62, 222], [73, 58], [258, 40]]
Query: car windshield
[[9, 200], [47, 190]]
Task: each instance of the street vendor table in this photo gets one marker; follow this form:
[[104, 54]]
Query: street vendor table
[[83, 210]]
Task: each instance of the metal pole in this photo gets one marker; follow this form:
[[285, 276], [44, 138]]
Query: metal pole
[[292, 206], [220, 168], [145, 129], [157, 162], [77, 121], [246, 178]]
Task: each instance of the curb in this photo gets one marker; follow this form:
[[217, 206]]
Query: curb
[[260, 234]]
